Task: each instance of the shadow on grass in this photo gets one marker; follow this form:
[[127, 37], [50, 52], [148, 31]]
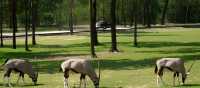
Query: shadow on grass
[[33, 85], [109, 87], [191, 85], [38, 54], [50, 45], [130, 34], [128, 64], [63, 50], [181, 50], [166, 44], [156, 44], [1, 84], [52, 67], [15, 85], [49, 67]]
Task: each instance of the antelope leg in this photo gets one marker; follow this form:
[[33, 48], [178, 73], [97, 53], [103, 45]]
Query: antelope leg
[[5, 81], [66, 83], [9, 84], [80, 83], [177, 74], [162, 82], [18, 80], [66, 75], [84, 83], [174, 79], [22, 76], [23, 80], [157, 80]]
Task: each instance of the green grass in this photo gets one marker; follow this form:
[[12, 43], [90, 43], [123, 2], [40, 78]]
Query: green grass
[[21, 29], [132, 67]]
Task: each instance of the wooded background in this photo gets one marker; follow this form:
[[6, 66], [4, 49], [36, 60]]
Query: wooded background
[[57, 12]]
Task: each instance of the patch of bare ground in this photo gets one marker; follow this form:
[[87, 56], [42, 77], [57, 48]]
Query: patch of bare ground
[[100, 55], [60, 58]]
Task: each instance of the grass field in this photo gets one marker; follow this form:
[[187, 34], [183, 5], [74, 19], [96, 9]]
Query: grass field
[[132, 67]]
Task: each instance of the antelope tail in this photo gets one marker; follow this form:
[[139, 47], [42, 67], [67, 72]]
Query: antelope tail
[[156, 70], [5, 62], [60, 70]]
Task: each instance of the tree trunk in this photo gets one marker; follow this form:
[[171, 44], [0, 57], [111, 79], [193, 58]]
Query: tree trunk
[[144, 12], [132, 11], [1, 20], [136, 21], [123, 12], [118, 6], [92, 27], [34, 9], [187, 11], [148, 13], [71, 15], [27, 23], [103, 8], [164, 12], [95, 31], [113, 26], [14, 21]]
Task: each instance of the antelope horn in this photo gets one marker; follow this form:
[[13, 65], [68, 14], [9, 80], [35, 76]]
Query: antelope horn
[[36, 64], [99, 69], [191, 66]]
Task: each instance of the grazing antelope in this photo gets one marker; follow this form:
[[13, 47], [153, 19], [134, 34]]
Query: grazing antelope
[[21, 66], [175, 65], [81, 66]]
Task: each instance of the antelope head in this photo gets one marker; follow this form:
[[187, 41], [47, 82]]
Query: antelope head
[[34, 78], [96, 82]]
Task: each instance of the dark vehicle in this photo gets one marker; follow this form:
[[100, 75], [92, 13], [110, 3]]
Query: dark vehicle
[[102, 24]]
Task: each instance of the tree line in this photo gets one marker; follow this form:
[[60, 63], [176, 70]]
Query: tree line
[[151, 11]]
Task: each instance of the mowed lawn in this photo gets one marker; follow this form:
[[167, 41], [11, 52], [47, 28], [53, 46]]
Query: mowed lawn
[[132, 67]]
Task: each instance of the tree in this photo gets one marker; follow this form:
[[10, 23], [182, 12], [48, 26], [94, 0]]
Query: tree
[[27, 22], [13, 20], [187, 11], [34, 9], [92, 26], [164, 12], [1, 20], [132, 10], [71, 15], [113, 26], [135, 24], [123, 12], [95, 17], [103, 8], [148, 15]]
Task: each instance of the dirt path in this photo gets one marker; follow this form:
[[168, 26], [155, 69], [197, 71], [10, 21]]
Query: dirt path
[[62, 58]]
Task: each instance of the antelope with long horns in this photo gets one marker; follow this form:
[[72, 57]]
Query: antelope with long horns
[[81, 66], [21, 66], [175, 65]]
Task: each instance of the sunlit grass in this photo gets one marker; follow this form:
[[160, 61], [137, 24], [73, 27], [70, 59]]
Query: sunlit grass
[[132, 67]]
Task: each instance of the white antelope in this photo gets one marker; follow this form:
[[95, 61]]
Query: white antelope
[[81, 66], [175, 65], [21, 66]]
